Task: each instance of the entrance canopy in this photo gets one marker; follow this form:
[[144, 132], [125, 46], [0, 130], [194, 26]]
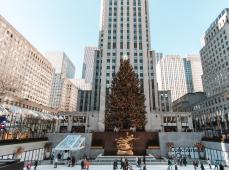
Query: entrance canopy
[[71, 143]]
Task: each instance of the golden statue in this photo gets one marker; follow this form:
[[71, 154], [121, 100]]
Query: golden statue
[[125, 145]]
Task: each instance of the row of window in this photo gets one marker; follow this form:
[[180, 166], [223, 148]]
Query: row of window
[[121, 2]]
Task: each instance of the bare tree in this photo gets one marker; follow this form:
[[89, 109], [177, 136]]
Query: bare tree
[[9, 83]]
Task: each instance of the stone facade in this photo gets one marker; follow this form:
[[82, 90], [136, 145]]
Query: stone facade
[[180, 139], [171, 121], [23, 69], [212, 113], [77, 122], [165, 101], [125, 31], [63, 94], [187, 102]]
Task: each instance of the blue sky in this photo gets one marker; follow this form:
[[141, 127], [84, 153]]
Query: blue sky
[[70, 25]]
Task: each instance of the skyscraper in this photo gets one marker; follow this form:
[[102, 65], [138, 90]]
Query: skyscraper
[[188, 75], [171, 76], [179, 74], [196, 71], [124, 31], [84, 90], [63, 93], [62, 64], [88, 63]]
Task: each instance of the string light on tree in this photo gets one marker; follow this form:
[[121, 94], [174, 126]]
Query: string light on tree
[[125, 106]]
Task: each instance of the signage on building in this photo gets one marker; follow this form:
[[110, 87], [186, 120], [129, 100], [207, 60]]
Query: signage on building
[[188, 152]]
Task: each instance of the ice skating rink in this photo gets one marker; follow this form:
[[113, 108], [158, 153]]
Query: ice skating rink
[[107, 167]]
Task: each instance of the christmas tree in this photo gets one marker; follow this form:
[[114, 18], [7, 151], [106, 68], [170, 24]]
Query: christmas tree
[[125, 106]]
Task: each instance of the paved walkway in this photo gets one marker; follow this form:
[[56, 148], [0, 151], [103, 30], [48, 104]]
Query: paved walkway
[[107, 167]]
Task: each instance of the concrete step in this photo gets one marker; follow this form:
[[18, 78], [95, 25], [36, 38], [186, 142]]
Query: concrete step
[[108, 160]]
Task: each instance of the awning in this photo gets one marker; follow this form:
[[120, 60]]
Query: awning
[[71, 143]]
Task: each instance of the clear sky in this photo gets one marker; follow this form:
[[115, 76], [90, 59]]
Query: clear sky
[[70, 25]]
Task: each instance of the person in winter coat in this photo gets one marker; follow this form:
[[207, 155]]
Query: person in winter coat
[[82, 164], [73, 161], [221, 167], [202, 166]]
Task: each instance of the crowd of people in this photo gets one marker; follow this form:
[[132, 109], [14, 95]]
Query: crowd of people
[[125, 165], [196, 164], [70, 160]]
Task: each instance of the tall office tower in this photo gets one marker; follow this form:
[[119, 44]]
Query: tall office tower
[[153, 90], [63, 93], [23, 69], [188, 75], [71, 97], [214, 55], [171, 76], [88, 63], [197, 72], [84, 90], [158, 56], [62, 64], [125, 31]]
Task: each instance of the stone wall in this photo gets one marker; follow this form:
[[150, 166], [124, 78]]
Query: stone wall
[[95, 152], [179, 139]]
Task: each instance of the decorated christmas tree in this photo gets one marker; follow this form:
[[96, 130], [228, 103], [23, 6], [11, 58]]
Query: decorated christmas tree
[[125, 106]]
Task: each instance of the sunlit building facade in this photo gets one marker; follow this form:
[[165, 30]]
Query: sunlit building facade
[[23, 69]]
